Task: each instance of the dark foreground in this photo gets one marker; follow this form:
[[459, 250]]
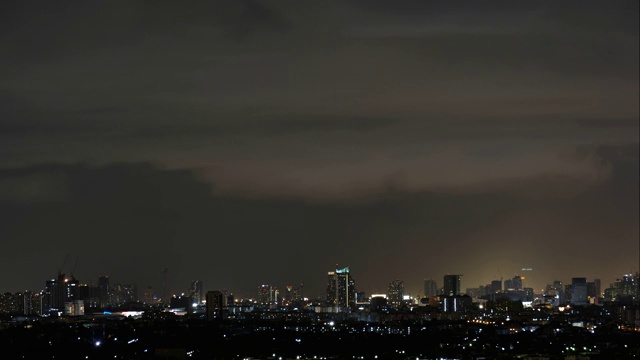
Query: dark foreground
[[197, 339]]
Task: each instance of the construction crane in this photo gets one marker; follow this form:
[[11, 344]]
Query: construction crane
[[63, 263], [73, 269]]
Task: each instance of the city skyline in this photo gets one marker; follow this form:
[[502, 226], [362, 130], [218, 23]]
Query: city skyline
[[445, 284], [247, 143]]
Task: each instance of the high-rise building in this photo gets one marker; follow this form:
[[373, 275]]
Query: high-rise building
[[430, 287], [88, 294], [341, 290], [103, 291], [265, 294], [628, 285], [452, 285], [496, 286], [591, 290], [508, 284], [147, 296], [121, 294], [54, 295], [288, 293], [579, 291], [396, 292], [298, 292], [32, 303], [74, 308], [598, 285], [215, 305], [517, 282], [11, 303], [196, 291]]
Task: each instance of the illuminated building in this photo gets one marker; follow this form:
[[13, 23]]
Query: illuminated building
[[196, 291], [341, 289], [121, 294], [456, 303], [628, 285], [395, 293], [71, 289], [452, 285], [74, 308], [32, 303], [11, 303], [288, 295], [267, 294], [430, 287]]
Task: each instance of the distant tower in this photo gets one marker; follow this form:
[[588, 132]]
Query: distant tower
[[215, 305], [430, 287], [264, 294], [579, 291], [516, 282], [288, 295], [54, 295], [396, 293], [147, 296], [598, 285], [452, 285], [196, 291], [496, 286], [166, 291], [103, 291]]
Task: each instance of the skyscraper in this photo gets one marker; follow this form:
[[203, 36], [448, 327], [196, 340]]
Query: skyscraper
[[341, 289], [396, 292], [265, 294], [517, 282], [598, 284], [579, 291], [196, 291], [430, 287], [54, 294], [215, 305], [452, 285], [103, 291], [147, 296], [496, 286], [508, 284]]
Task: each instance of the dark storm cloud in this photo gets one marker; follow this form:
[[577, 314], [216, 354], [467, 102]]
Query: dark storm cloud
[[351, 123], [133, 220]]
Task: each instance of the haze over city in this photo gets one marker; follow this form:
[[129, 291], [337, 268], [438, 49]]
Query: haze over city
[[247, 142]]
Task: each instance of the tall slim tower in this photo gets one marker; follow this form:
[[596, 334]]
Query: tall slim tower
[[166, 291], [103, 291], [196, 291]]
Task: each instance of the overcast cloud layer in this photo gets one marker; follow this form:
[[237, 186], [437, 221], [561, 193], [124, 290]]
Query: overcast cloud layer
[[250, 141]]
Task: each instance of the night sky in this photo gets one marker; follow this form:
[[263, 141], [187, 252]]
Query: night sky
[[250, 142]]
